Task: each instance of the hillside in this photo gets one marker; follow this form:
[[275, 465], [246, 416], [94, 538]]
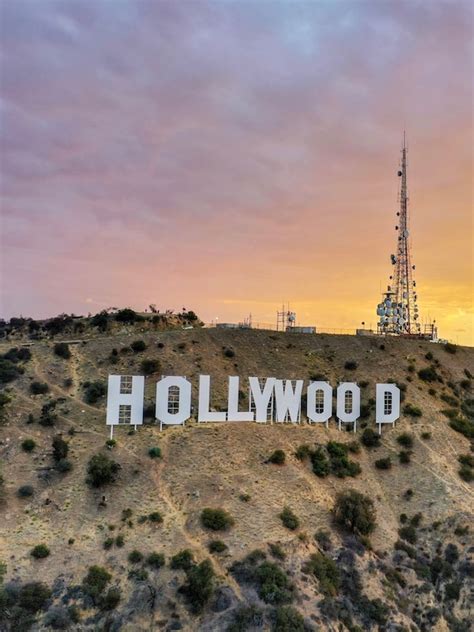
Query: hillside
[[414, 571]]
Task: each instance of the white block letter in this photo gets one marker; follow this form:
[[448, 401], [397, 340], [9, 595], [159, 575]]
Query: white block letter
[[204, 413], [387, 408], [319, 411], [288, 401], [261, 399], [233, 413], [348, 402], [125, 400], [182, 411]]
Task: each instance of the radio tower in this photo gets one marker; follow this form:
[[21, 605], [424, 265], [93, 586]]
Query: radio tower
[[398, 310]]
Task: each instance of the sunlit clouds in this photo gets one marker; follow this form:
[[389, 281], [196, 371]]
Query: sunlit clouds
[[229, 156]]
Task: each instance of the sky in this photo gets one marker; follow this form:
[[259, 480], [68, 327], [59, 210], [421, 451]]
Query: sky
[[229, 156]]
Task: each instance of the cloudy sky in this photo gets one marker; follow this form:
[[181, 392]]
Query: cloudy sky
[[230, 155]]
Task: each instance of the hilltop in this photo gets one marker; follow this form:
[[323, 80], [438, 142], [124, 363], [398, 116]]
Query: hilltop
[[406, 566]]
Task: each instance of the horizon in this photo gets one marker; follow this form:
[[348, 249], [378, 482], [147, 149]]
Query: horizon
[[231, 157]]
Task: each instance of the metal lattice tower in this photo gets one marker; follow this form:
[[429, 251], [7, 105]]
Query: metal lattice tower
[[398, 310]]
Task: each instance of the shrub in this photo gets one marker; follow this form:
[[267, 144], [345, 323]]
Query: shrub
[[155, 560], [229, 353], [405, 439], [384, 463], [39, 551], [428, 374], [449, 399], [48, 417], [452, 591], [464, 426], [451, 553], [60, 448], [216, 519], [429, 356], [138, 345], [320, 463], [341, 466], [370, 439], [150, 366], [155, 517], [466, 473], [408, 533], [350, 365], [412, 411], [355, 512], [278, 457], [101, 469], [273, 584], [245, 498], [111, 599], [108, 543], [199, 585], [111, 443], [28, 445], [39, 388], [289, 519], [277, 551], [135, 557], [246, 618], [120, 540], [326, 571], [62, 350], [126, 315], [8, 371], [217, 546], [57, 618], [182, 560], [26, 491], [154, 453], [426, 435], [404, 456], [33, 596], [288, 619], [95, 581], [450, 348], [303, 451], [94, 391], [63, 466], [138, 574], [466, 459]]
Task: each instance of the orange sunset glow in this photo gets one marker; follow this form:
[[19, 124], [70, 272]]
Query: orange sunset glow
[[229, 157]]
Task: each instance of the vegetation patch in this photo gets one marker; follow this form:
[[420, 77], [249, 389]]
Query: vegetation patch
[[355, 512], [289, 519], [216, 519]]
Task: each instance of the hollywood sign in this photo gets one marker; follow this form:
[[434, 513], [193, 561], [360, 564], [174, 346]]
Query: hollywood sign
[[270, 400]]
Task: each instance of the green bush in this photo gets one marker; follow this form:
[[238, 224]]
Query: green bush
[[155, 560], [273, 584], [450, 348], [289, 519], [288, 619], [33, 596], [155, 517], [428, 374], [62, 350], [412, 411], [183, 560], [326, 572], [150, 366], [199, 586], [466, 459], [355, 512], [303, 451], [138, 345], [277, 551], [94, 391], [8, 371], [340, 464], [101, 470], [217, 546], [383, 464], [95, 582], [466, 473], [39, 388], [135, 557], [26, 491], [450, 400], [404, 456], [216, 519], [464, 426], [426, 436], [278, 457], [452, 591], [154, 453], [28, 445], [405, 439], [40, 551], [126, 315], [229, 353], [60, 448], [120, 540], [108, 543], [111, 599], [48, 417], [320, 463], [370, 439], [408, 533], [350, 365]]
